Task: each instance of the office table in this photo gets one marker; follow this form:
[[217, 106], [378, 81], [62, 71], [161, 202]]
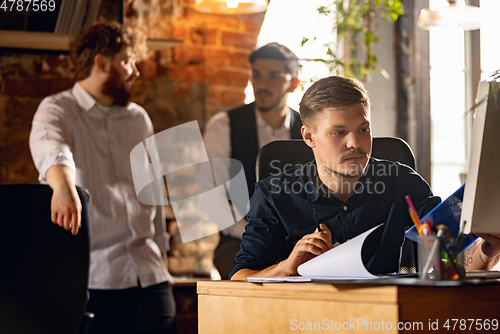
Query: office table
[[348, 307]]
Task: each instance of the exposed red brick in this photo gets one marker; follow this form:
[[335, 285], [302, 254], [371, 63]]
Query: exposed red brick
[[212, 58], [245, 41], [227, 78], [174, 72], [54, 65], [214, 94], [213, 107], [253, 22], [233, 98], [190, 3], [194, 74], [204, 36], [217, 57], [185, 54], [220, 21], [181, 31], [164, 58], [14, 66], [240, 59], [35, 87], [16, 111], [148, 69], [182, 92]]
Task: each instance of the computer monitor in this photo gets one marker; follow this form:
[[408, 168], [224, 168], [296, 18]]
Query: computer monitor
[[481, 203]]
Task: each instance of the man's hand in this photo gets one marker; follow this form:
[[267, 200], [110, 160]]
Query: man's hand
[[66, 207], [491, 244], [484, 253], [310, 246]]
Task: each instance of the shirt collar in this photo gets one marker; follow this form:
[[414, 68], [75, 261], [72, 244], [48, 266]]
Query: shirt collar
[[261, 122], [83, 98], [309, 172], [87, 102]]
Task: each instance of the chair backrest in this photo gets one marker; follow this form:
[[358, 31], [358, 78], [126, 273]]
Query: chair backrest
[[280, 155], [44, 280], [277, 156]]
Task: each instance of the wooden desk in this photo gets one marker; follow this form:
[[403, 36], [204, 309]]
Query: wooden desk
[[241, 307], [186, 303]]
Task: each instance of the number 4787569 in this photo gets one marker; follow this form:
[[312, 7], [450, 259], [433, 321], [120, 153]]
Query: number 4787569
[[27, 5], [471, 324]]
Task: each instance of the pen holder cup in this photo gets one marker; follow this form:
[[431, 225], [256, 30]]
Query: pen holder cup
[[437, 259]]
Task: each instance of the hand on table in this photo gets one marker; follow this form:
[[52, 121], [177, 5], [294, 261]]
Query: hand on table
[[310, 246]]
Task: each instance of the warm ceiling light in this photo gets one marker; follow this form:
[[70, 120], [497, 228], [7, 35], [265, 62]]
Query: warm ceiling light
[[231, 6], [452, 14]]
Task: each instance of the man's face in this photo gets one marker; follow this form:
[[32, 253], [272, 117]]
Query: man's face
[[121, 75], [342, 140], [271, 84]]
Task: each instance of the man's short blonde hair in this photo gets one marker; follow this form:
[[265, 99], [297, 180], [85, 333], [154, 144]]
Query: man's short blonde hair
[[331, 92]]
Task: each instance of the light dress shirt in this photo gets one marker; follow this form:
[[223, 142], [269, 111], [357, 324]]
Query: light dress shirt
[[126, 237], [217, 139]]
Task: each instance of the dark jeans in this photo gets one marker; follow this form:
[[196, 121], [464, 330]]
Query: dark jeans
[[136, 310]]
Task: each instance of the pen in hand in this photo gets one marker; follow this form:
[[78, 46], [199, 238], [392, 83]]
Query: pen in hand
[[316, 220]]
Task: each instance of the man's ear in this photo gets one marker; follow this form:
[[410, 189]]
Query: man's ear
[[294, 85], [308, 136], [101, 63]]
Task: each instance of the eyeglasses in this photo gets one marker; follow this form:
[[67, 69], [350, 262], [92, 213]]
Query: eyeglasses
[[272, 77]]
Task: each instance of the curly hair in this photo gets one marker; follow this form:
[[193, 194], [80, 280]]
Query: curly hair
[[107, 39]]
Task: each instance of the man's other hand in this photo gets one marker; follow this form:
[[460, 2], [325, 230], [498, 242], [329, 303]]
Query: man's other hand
[[66, 207]]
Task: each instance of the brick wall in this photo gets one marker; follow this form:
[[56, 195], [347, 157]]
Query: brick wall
[[25, 78], [205, 74]]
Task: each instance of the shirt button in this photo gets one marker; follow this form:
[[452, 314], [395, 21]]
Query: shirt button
[[345, 208]]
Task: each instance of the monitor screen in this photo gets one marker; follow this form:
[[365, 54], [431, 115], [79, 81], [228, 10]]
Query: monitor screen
[[481, 204]]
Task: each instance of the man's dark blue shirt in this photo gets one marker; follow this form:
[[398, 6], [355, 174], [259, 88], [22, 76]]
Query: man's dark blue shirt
[[281, 213]]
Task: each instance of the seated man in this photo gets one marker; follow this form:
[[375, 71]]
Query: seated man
[[241, 132], [350, 191]]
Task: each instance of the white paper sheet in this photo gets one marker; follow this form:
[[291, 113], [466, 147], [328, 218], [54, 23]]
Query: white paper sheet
[[342, 262], [292, 279]]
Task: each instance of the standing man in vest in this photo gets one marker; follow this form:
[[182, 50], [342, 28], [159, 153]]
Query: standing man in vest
[[241, 132]]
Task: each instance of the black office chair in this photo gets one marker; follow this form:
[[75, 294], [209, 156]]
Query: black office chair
[[44, 279], [280, 155]]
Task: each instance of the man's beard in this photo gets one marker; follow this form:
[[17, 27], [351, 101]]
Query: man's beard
[[341, 175], [279, 104], [356, 172], [114, 87]]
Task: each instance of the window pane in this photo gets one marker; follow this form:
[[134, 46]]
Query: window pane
[[447, 48], [287, 22], [447, 130], [490, 47]]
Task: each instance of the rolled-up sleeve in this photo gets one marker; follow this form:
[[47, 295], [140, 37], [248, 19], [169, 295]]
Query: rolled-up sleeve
[[50, 138]]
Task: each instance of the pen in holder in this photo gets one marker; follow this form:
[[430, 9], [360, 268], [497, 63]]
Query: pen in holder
[[437, 257]]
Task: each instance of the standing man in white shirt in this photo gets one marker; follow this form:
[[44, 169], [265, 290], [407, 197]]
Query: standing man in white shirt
[[241, 132], [84, 136]]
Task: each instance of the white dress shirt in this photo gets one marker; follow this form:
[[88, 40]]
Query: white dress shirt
[[126, 236], [217, 139]]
